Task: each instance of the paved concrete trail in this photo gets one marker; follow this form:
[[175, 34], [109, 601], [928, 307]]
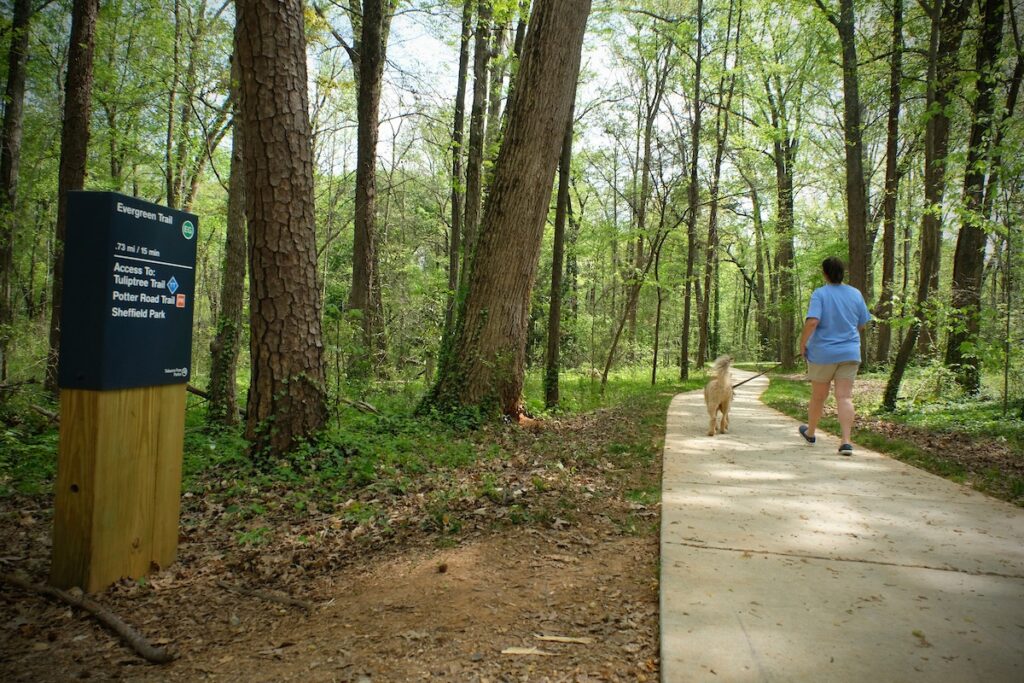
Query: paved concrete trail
[[782, 561]]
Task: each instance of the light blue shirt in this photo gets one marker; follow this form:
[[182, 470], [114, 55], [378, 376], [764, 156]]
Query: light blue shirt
[[840, 310]]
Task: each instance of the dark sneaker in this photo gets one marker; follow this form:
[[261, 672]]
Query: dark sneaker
[[803, 433], [846, 449]]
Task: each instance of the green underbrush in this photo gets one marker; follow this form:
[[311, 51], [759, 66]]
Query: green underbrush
[[386, 453]]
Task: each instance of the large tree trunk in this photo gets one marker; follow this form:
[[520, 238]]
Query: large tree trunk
[[944, 44], [477, 135], [693, 203], [484, 367], [969, 261], [223, 407], [458, 131], [74, 147], [10, 157], [286, 393], [557, 252], [365, 295], [892, 185]]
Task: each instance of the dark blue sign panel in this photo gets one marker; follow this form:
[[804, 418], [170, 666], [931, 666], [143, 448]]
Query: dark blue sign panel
[[129, 293]]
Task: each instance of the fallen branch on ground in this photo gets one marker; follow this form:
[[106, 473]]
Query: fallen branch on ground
[[53, 416], [360, 405], [267, 595], [157, 655]]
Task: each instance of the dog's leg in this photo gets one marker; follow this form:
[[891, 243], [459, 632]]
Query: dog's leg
[[725, 418], [712, 422]]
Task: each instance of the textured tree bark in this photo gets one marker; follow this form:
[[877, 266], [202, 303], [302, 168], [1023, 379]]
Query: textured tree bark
[[365, 296], [74, 147], [10, 157], [784, 255], [948, 21], [458, 132], [484, 366], [286, 394], [557, 252], [784, 156], [693, 203], [477, 135], [224, 349], [892, 185], [969, 260]]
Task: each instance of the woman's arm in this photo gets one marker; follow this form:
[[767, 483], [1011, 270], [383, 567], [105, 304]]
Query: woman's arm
[[810, 325]]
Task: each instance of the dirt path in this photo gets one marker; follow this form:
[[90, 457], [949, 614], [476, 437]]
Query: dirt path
[[559, 546]]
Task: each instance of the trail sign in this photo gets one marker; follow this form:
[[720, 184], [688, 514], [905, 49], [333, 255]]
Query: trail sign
[[129, 296], [126, 347]]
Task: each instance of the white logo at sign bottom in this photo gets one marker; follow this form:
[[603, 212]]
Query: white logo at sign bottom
[[176, 372]]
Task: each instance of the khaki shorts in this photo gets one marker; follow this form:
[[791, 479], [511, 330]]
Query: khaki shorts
[[830, 371]]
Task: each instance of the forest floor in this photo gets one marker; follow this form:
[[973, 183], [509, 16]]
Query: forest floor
[[551, 531], [424, 550]]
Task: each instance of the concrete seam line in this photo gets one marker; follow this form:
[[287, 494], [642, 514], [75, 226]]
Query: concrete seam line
[[828, 558]]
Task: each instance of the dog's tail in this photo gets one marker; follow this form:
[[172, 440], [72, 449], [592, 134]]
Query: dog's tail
[[721, 366]]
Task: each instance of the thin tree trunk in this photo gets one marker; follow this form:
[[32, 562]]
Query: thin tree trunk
[[224, 350], [693, 203], [498, 67], [653, 95], [721, 136], [884, 310], [657, 317], [286, 393], [365, 295], [969, 260], [172, 95], [763, 340], [74, 147], [555, 310], [484, 368], [785, 159], [856, 189], [10, 157], [477, 135], [948, 21], [458, 130]]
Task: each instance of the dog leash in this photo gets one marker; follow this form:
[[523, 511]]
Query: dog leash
[[756, 376]]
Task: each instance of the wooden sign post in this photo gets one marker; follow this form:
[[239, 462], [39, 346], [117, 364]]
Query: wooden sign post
[[126, 346]]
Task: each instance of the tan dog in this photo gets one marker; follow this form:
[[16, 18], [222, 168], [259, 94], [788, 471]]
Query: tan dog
[[718, 395]]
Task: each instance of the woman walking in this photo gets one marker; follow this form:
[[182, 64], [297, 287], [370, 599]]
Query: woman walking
[[830, 344]]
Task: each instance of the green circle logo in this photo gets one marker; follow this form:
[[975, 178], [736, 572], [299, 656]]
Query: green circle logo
[[188, 230]]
